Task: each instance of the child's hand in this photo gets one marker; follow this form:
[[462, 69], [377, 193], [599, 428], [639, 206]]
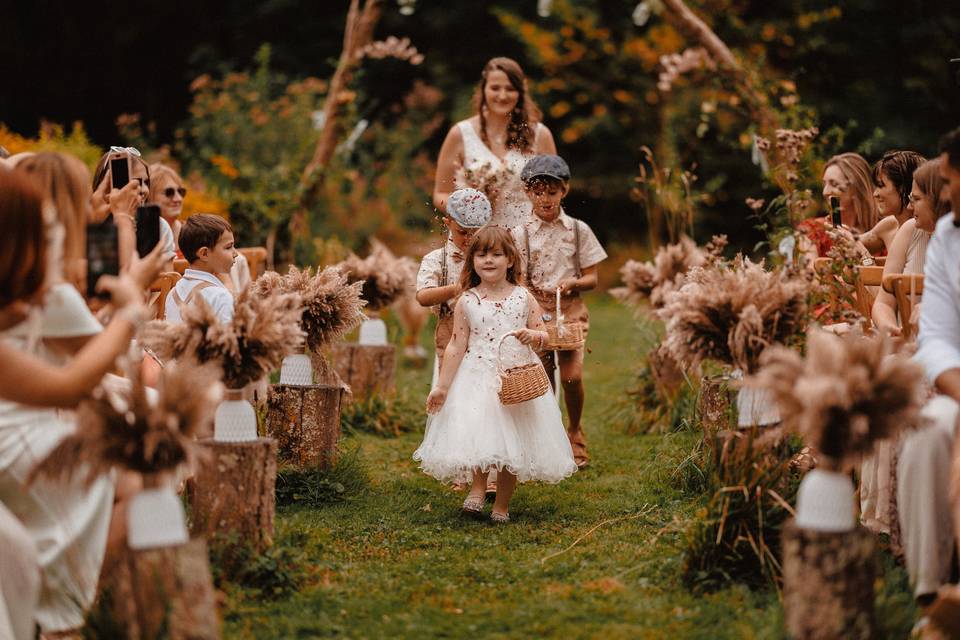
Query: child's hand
[[529, 336], [436, 399], [567, 286]]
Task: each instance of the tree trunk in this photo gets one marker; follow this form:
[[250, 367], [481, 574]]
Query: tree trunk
[[828, 583], [367, 369], [234, 491], [357, 34], [165, 592], [305, 421]]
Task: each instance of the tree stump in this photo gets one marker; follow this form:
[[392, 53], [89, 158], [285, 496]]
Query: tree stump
[[367, 369], [828, 583], [305, 421], [232, 493], [164, 592], [715, 404]]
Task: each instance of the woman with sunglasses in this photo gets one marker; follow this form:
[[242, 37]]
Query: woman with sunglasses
[[120, 205], [168, 191]]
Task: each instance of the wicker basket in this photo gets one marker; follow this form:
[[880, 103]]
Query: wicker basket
[[562, 336], [521, 383]]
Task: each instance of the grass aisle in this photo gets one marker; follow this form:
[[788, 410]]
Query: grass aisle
[[399, 561]]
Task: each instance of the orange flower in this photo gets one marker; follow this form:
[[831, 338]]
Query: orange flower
[[223, 164]]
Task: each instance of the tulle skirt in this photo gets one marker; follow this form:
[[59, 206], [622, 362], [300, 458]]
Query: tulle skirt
[[474, 430]]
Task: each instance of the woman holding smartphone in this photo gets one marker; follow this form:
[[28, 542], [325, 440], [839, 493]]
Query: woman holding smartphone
[[68, 522]]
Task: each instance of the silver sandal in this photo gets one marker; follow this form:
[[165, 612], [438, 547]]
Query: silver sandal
[[499, 518], [473, 506]]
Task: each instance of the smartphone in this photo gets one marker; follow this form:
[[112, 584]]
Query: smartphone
[[103, 254], [119, 172], [148, 228], [835, 211]]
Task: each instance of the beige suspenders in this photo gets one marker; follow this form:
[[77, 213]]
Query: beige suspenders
[[200, 287]]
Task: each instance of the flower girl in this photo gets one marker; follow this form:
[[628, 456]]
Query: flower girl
[[469, 432]]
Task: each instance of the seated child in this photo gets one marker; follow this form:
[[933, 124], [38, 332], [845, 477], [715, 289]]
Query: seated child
[[559, 252], [207, 244], [439, 275]]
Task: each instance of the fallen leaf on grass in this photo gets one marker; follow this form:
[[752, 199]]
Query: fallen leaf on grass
[[426, 507], [604, 585]]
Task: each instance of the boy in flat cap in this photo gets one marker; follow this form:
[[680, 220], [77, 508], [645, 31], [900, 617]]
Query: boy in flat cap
[[439, 274], [559, 253]]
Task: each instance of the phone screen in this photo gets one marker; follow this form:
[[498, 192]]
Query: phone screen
[[120, 172], [835, 211], [148, 228], [103, 255]]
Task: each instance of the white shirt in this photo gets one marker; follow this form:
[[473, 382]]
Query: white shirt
[[217, 296], [553, 251], [166, 239], [939, 339]]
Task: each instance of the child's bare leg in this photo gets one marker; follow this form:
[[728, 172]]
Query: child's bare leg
[[571, 377], [479, 487], [506, 483]]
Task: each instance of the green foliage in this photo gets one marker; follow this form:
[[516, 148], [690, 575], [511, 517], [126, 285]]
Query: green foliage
[[387, 417], [275, 573], [644, 409], [54, 137], [315, 487], [736, 536]]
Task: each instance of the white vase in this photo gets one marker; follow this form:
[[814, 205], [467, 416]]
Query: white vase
[[155, 518], [235, 420], [825, 502], [296, 369], [373, 331], [756, 407]]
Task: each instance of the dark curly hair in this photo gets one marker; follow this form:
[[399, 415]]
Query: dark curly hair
[[525, 116], [898, 166]]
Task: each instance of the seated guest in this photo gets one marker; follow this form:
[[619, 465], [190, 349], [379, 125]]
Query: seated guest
[[923, 471], [909, 248], [207, 244], [68, 522], [168, 191], [892, 179]]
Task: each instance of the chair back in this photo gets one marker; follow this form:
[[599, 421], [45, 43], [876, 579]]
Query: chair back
[[256, 259], [159, 290], [180, 265], [861, 278], [907, 290]]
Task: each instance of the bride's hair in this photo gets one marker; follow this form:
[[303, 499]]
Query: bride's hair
[[490, 238], [525, 116]]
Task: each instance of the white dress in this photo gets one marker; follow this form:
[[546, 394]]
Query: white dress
[[473, 429], [481, 166], [67, 522]]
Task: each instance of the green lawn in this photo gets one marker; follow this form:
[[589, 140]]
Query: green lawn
[[398, 560]]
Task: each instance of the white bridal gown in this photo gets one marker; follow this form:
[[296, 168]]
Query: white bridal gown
[[474, 429]]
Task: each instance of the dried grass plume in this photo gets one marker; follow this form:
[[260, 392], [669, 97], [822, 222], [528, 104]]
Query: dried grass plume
[[384, 276], [263, 330], [846, 394], [732, 312], [124, 429]]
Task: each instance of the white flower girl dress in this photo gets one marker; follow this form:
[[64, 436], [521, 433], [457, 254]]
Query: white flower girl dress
[[473, 429]]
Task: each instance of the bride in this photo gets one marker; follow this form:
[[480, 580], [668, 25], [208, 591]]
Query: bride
[[488, 151]]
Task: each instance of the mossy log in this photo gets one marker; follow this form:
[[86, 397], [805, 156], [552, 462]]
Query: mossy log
[[233, 492], [828, 583], [164, 592], [367, 369], [305, 422]]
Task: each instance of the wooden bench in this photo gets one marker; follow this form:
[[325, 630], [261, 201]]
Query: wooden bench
[[861, 278], [256, 259], [161, 287], [906, 289]]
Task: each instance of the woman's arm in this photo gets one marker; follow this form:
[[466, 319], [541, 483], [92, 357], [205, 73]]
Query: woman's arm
[[885, 305], [452, 356], [432, 296], [881, 236], [545, 142], [450, 159]]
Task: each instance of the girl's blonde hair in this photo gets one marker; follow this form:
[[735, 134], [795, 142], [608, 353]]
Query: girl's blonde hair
[[158, 172], [927, 176], [490, 238], [64, 182], [856, 172]]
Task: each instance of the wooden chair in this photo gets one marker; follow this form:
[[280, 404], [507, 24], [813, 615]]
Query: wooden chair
[[907, 289], [180, 265], [861, 278], [159, 289], [256, 259]]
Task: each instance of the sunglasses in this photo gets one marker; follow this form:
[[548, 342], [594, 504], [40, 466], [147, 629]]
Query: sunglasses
[[169, 191]]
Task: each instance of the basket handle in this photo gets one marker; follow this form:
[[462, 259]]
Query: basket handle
[[500, 370], [558, 316]]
